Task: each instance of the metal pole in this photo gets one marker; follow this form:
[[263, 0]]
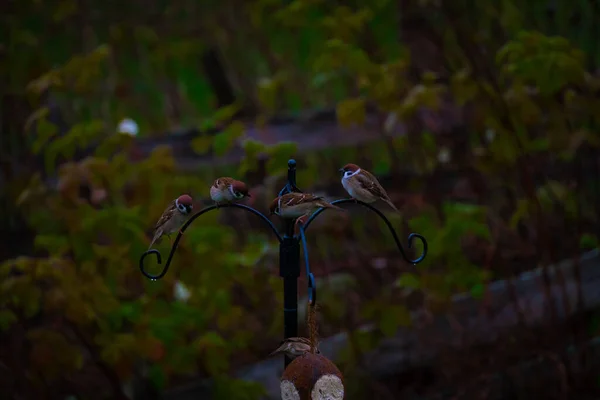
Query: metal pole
[[289, 268]]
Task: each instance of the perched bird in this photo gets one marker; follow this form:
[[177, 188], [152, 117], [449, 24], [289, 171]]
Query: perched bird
[[363, 186], [294, 347], [173, 217], [296, 205], [226, 190]]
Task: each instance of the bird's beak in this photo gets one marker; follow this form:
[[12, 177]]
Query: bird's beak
[[248, 195], [341, 170]]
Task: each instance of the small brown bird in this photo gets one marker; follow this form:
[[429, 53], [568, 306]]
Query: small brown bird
[[294, 347], [226, 190], [173, 217], [296, 205], [363, 186]]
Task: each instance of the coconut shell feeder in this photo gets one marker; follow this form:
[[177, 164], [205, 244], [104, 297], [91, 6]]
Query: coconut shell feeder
[[312, 377]]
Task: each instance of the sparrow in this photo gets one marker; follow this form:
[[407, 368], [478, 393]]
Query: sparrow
[[226, 190], [363, 186], [294, 347], [173, 217], [295, 205]]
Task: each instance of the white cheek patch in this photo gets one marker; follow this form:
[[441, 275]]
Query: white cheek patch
[[348, 174]]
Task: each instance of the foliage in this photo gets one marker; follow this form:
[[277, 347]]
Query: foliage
[[79, 300]]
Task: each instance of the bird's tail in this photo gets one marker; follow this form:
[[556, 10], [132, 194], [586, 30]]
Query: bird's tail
[[391, 204], [278, 350], [154, 239]]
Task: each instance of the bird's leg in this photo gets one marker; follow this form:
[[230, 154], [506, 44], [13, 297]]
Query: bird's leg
[[300, 221]]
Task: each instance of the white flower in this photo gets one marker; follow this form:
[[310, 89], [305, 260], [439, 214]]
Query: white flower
[[128, 127], [444, 155], [180, 292]]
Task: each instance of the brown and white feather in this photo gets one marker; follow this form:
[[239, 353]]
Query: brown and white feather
[[226, 189], [364, 186], [294, 347], [295, 205], [169, 222]]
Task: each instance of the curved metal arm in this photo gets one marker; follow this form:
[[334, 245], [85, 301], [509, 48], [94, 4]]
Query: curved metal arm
[[185, 226], [312, 288], [387, 222]]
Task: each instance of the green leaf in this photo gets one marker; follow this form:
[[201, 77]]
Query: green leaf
[[229, 388], [382, 162], [465, 209], [477, 291], [351, 111], [210, 339], [588, 241], [54, 244], [408, 280], [7, 318], [252, 151], [45, 130], [268, 90], [520, 213], [392, 317], [539, 145], [225, 114], [226, 139], [202, 144], [157, 376], [279, 154]]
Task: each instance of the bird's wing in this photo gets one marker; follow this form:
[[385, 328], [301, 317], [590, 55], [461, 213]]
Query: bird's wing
[[293, 199], [223, 181], [370, 183], [297, 340], [286, 344], [166, 215], [282, 347]]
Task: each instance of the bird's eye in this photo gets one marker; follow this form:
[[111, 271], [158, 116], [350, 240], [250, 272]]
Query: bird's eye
[[181, 208]]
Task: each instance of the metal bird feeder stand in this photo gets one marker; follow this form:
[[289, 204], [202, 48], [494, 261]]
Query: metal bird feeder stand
[[289, 252]]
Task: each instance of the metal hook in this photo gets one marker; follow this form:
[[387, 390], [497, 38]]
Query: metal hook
[[185, 226], [387, 222], [312, 287]]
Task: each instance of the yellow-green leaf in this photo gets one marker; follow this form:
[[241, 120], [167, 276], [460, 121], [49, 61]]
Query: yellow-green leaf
[[351, 111]]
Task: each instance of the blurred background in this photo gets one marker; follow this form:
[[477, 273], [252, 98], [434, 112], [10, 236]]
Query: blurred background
[[480, 119]]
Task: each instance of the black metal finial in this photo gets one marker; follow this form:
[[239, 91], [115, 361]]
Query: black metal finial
[[290, 185]]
